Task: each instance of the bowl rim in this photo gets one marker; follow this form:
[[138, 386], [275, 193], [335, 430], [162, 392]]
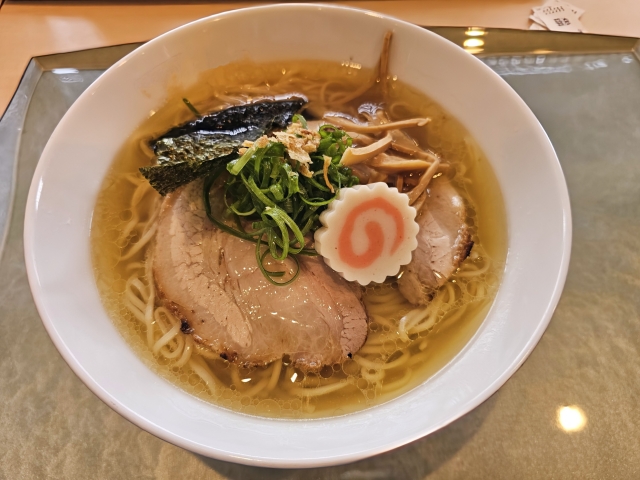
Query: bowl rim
[[151, 427]]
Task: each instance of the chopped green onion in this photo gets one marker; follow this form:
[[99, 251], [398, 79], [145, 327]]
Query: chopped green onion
[[234, 166], [297, 118], [191, 107], [265, 186]]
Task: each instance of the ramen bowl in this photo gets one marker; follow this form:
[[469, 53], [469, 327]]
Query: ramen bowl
[[76, 159]]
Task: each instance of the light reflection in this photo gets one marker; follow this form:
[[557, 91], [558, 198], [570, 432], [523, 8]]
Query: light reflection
[[473, 43], [571, 418], [293, 377], [475, 32], [351, 64], [64, 71]]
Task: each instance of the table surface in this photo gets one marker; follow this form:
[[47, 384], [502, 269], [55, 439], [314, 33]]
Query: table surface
[[33, 28], [571, 411]]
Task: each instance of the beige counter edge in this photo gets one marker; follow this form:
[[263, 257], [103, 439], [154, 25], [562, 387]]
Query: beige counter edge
[[33, 29]]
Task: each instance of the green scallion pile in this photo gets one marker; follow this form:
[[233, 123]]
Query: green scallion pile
[[265, 186]]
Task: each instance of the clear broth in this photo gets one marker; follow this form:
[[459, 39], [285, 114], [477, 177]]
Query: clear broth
[[426, 352]]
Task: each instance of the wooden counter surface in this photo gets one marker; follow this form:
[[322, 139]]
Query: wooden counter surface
[[29, 29]]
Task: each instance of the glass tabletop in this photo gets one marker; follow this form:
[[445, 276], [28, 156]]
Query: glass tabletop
[[571, 411]]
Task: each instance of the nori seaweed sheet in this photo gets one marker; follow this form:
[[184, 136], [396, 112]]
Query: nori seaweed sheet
[[182, 160], [253, 119], [192, 150]]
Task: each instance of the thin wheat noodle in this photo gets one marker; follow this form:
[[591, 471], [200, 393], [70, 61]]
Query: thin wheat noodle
[[139, 193], [132, 177], [451, 319], [349, 97], [142, 289], [148, 312], [473, 273], [382, 298], [206, 353], [275, 375], [135, 301], [371, 349], [177, 351], [423, 326], [431, 310], [375, 377], [161, 319], [135, 266], [257, 388], [235, 377], [166, 338], [135, 295], [318, 391], [163, 311], [202, 370], [379, 319], [152, 219], [402, 324], [137, 313], [141, 243], [131, 225], [388, 310], [401, 360], [450, 292], [186, 353]]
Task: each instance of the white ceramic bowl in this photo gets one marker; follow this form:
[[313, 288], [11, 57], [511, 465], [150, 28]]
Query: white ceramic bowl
[[74, 162]]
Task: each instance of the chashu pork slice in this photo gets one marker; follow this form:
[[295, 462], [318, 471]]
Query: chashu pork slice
[[210, 280], [444, 241]]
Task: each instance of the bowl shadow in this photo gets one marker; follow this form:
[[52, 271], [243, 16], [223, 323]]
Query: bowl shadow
[[411, 462]]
